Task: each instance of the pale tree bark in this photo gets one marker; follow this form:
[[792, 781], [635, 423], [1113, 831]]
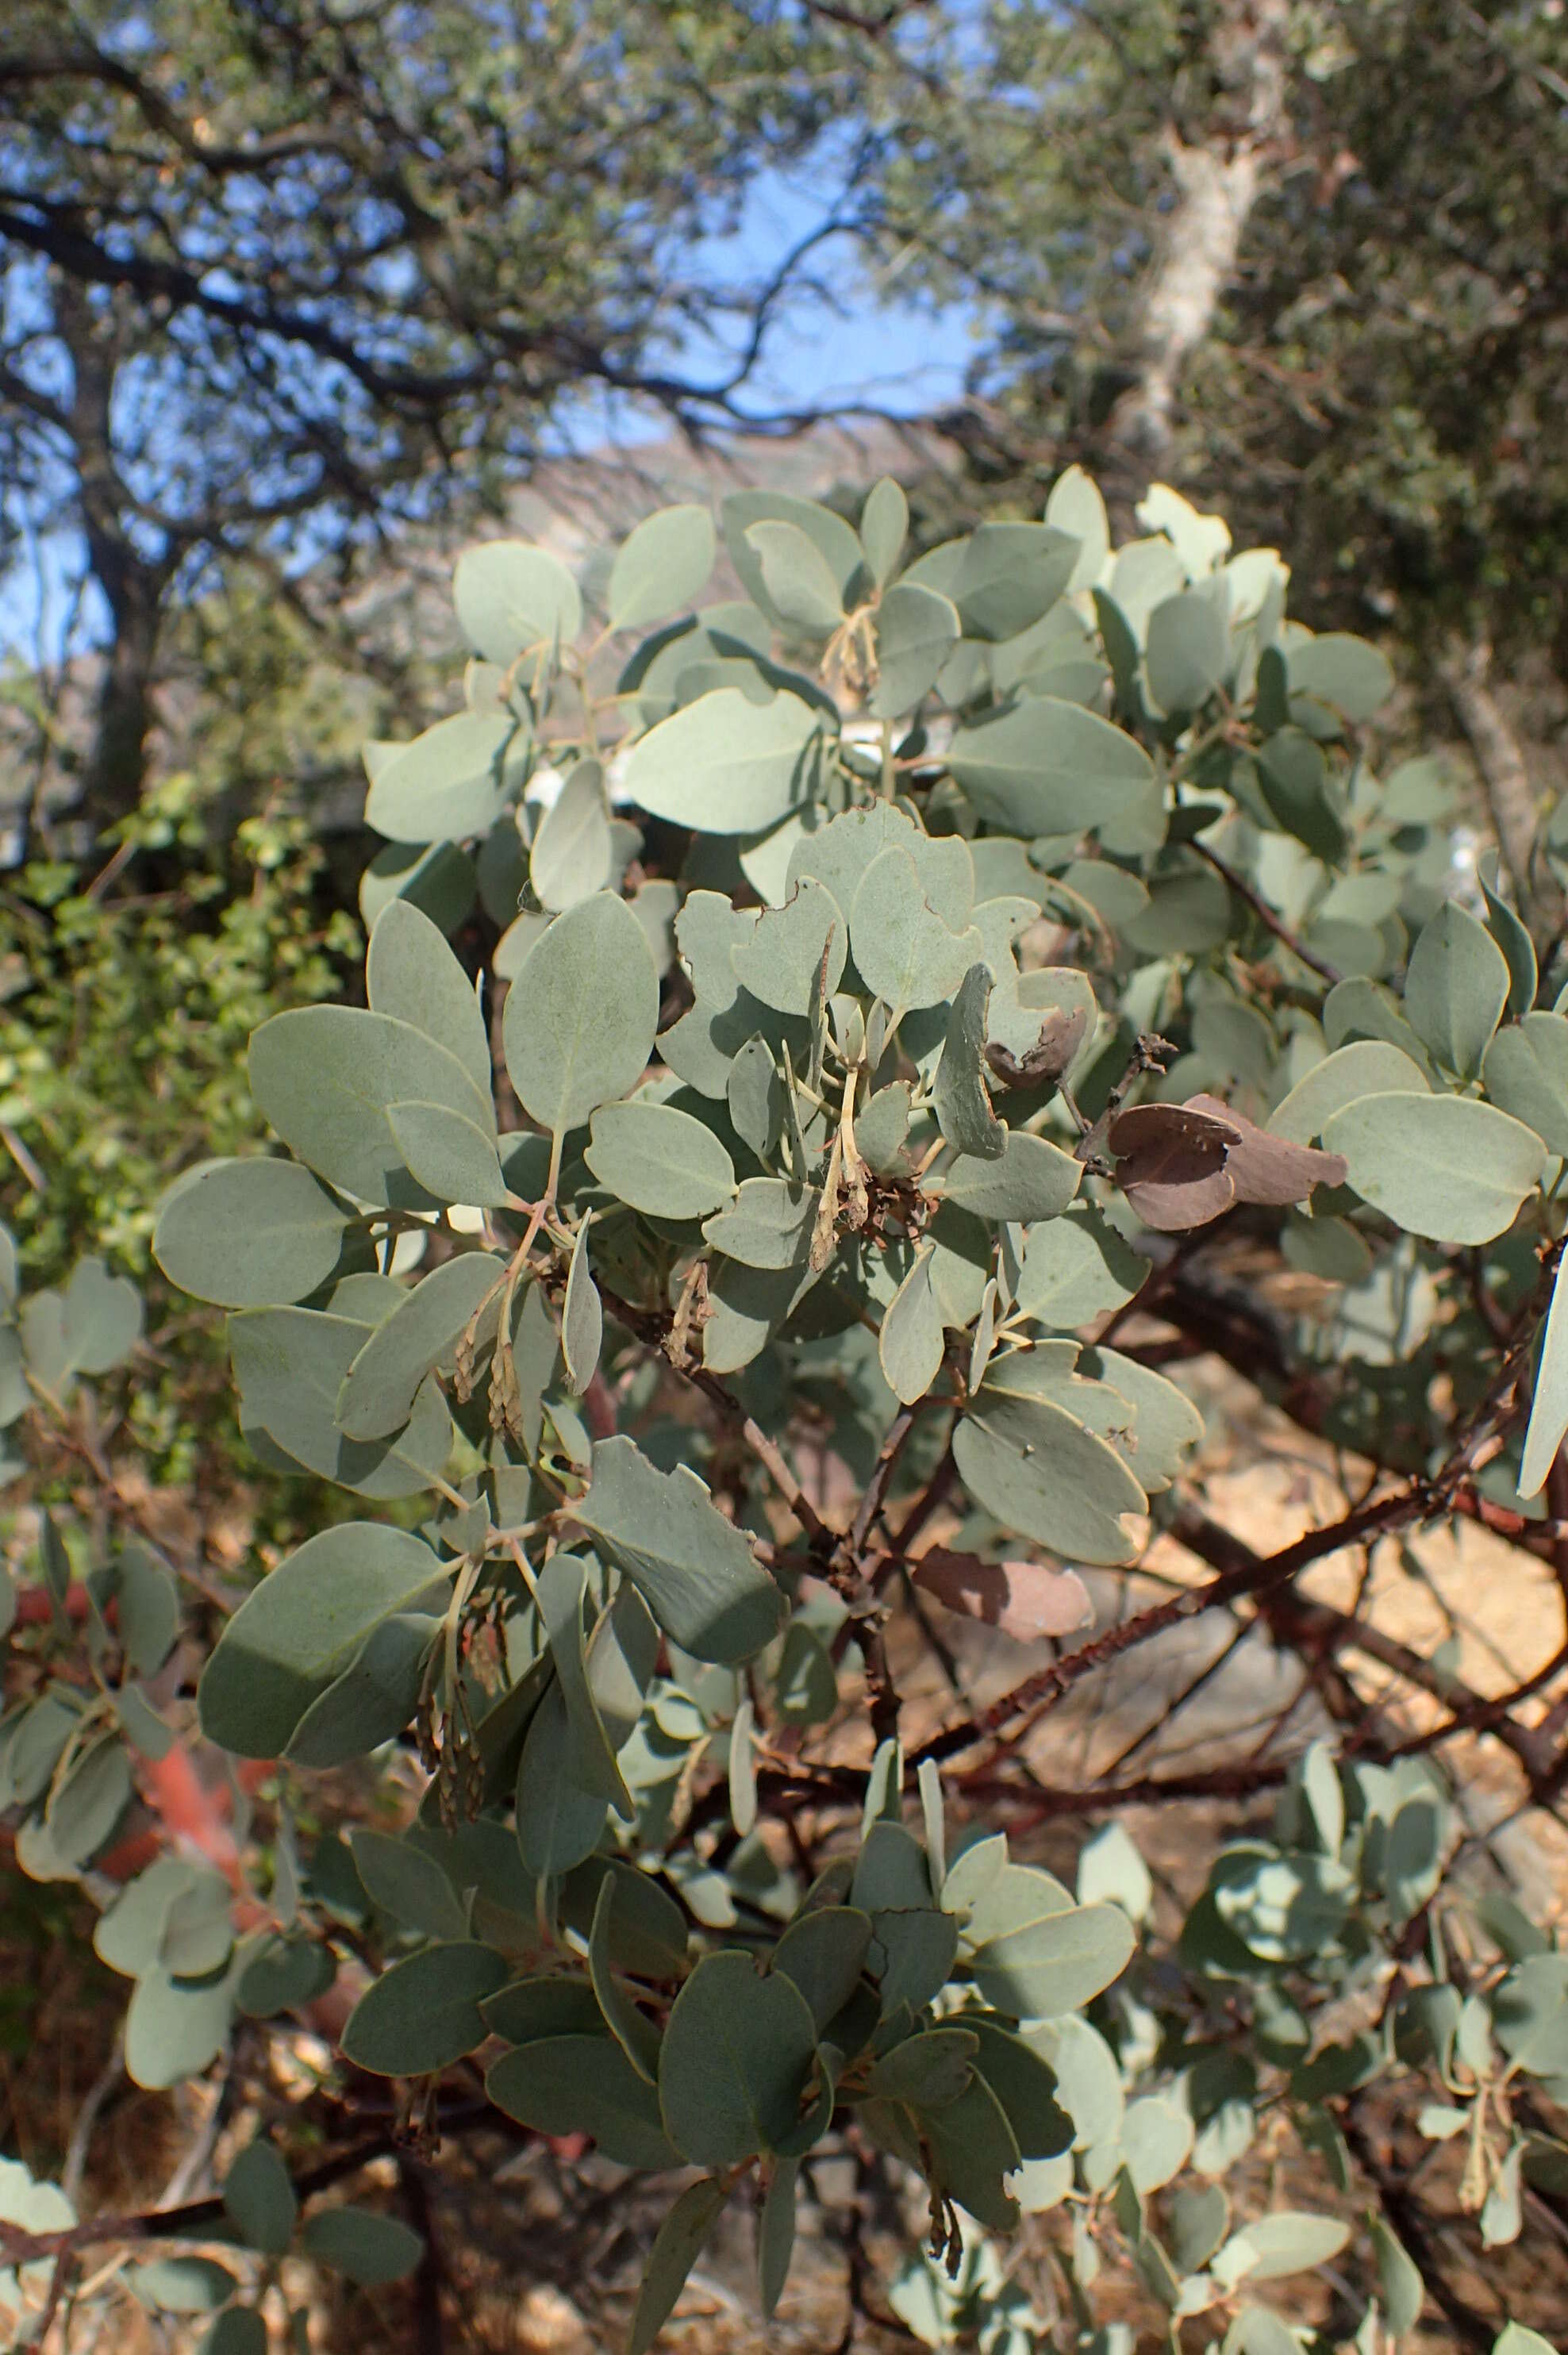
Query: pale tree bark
[[1512, 802], [1218, 178]]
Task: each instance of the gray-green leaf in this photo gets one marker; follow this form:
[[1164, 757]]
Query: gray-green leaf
[[1076, 1267], [581, 1016], [370, 2249], [1549, 1408], [1055, 1964], [906, 954], [1186, 650], [423, 2014], [800, 583], [695, 1570], [792, 950], [735, 2059], [572, 858], [1457, 988], [298, 1630], [1030, 1179], [379, 1392], [917, 629], [1448, 1168], [1368, 1067], [768, 1225], [660, 1160], [511, 596], [911, 1342], [659, 569], [450, 1155], [884, 527], [1047, 1476], [962, 1098], [675, 2252], [411, 974], [249, 1233], [449, 784], [578, 2083], [261, 2200], [1526, 1073], [581, 1315], [325, 1076], [291, 1365], [725, 764], [1046, 766]]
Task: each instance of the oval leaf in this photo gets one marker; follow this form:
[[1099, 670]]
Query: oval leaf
[[736, 2056], [1049, 767], [581, 1016], [299, 1629], [423, 2014], [449, 784], [695, 1570], [249, 1233], [660, 1160], [661, 566], [511, 596], [1447, 1167], [725, 764]]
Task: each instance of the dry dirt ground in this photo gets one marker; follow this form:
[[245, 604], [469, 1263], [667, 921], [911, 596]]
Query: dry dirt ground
[[535, 2256]]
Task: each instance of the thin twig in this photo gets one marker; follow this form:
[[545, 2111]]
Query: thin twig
[[877, 1485], [1409, 2224], [1266, 917], [97, 2094], [652, 1331], [1256, 1576], [1315, 1626], [197, 2220]]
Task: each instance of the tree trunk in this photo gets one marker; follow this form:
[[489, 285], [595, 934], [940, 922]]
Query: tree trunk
[[133, 583], [1512, 802], [1217, 181], [122, 721]]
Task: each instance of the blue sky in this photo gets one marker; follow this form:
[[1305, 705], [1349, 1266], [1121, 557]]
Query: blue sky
[[885, 354], [888, 352]]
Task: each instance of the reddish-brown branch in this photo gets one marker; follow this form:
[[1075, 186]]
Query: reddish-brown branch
[[1318, 1628], [198, 2219], [931, 1497], [877, 1485], [1266, 917], [1257, 1575]]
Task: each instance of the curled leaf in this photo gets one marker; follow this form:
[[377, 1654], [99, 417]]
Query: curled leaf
[[1182, 1165], [1061, 1034], [1170, 1164], [1267, 1168]]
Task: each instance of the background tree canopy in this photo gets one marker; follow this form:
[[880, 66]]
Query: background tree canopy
[[1313, 263], [278, 278]]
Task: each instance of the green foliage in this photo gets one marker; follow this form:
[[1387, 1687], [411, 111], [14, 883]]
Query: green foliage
[[280, 362], [846, 1149], [127, 1014], [1374, 393]]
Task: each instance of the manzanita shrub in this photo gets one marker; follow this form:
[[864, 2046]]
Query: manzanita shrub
[[907, 967]]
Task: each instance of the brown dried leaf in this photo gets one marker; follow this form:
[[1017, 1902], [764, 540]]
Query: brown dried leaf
[[1170, 1164], [1024, 1599], [1149, 1135], [1182, 1165], [1267, 1168]]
